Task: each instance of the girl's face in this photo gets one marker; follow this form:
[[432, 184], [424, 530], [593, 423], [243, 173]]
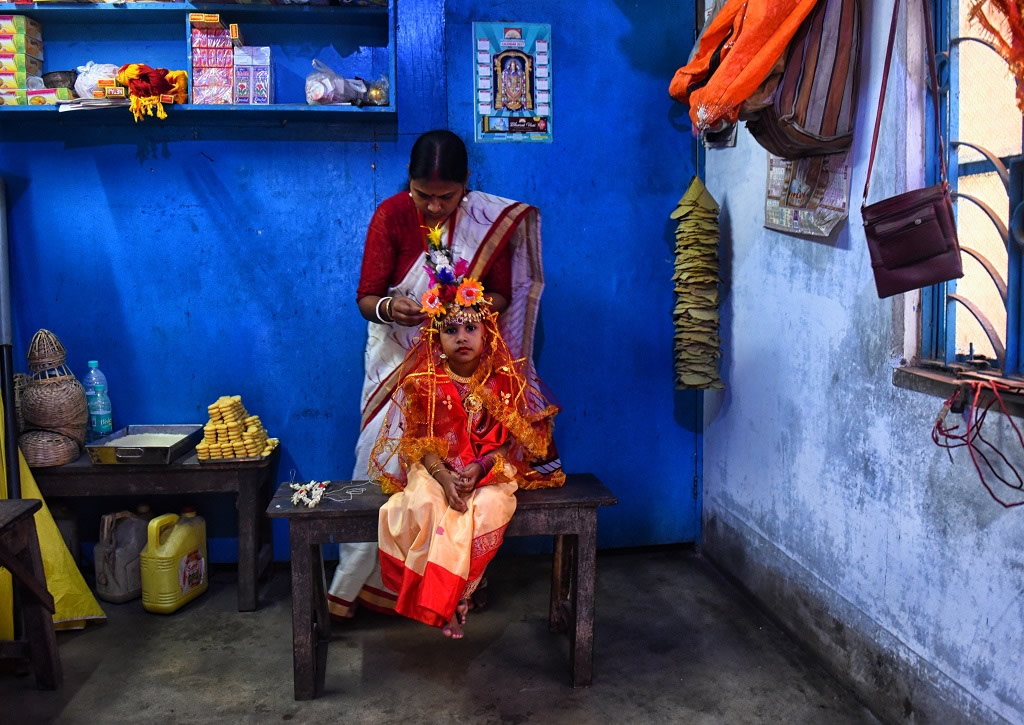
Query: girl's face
[[436, 199], [463, 343]]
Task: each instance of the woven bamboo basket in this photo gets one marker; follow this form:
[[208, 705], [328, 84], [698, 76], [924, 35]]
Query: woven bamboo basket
[[20, 383], [58, 405], [45, 351], [46, 448]]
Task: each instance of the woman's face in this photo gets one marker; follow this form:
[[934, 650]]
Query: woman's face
[[436, 199], [462, 343]]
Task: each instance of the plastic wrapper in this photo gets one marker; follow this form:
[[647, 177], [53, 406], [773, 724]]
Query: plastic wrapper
[[324, 87], [89, 76], [212, 95], [211, 77], [379, 92], [212, 58], [204, 38]]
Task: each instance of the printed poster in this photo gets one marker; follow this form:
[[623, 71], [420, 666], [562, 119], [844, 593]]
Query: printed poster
[[512, 82], [808, 196]]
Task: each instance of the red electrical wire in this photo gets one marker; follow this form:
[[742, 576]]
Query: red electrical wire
[[948, 438]]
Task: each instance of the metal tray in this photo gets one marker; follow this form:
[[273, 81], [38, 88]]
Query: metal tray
[[107, 450]]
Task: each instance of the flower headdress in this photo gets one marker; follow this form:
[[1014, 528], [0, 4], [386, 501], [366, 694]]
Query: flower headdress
[[452, 297]]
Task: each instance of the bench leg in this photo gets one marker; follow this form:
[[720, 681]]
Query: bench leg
[[561, 570], [581, 640], [39, 630], [310, 630], [248, 546]]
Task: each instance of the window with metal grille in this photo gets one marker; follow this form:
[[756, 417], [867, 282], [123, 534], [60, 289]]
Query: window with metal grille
[[976, 320]]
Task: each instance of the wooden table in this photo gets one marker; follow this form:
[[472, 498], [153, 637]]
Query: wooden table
[[248, 480], [19, 553], [569, 514]]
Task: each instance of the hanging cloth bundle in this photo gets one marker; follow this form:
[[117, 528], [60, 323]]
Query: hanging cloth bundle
[[737, 52]]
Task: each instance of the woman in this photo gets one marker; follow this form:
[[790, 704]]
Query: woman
[[501, 240]]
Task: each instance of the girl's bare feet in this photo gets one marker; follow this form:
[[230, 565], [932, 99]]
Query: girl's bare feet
[[453, 630]]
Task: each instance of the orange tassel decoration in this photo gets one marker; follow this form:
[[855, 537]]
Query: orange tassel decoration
[[1003, 22]]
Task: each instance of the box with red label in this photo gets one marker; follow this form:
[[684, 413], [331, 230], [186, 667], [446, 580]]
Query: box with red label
[[47, 96], [15, 97], [20, 25], [262, 93], [206, 21], [21, 43], [19, 62]]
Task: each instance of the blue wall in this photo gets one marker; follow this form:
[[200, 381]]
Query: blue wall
[[200, 261]]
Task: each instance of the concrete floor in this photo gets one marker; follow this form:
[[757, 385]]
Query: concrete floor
[[674, 643]]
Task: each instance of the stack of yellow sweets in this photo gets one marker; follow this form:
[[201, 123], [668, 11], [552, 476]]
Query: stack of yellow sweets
[[233, 433]]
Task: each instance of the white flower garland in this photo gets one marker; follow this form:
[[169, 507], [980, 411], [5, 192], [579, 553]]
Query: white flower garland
[[308, 493]]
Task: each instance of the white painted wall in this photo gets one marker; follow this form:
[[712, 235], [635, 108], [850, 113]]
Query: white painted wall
[[823, 493]]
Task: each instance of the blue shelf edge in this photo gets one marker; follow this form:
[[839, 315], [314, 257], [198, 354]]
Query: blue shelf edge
[[160, 12]]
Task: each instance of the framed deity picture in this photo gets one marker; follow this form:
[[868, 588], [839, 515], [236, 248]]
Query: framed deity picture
[[512, 82]]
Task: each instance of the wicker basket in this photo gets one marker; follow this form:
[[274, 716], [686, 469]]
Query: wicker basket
[[20, 383], [46, 448], [45, 351], [56, 404]]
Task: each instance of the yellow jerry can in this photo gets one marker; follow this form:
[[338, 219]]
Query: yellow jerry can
[[174, 563]]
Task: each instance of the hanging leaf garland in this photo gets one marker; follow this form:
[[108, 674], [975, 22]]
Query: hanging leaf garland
[[696, 280]]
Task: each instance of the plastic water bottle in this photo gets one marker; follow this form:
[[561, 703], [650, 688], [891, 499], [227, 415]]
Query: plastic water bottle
[[101, 421], [92, 378]]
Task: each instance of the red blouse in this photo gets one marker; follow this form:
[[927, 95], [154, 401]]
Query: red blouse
[[395, 242]]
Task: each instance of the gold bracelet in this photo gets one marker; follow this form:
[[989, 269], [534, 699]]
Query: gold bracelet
[[433, 468]]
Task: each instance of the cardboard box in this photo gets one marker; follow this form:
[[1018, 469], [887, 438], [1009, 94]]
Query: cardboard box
[[20, 25], [206, 21], [216, 38], [15, 79], [243, 85], [47, 96], [211, 77], [236, 35], [252, 55], [20, 63], [262, 93], [21, 43], [14, 97]]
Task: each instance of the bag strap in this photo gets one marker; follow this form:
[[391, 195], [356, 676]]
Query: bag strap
[[934, 76]]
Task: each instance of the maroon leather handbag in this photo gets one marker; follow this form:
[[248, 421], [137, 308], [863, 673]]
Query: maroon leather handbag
[[912, 236]]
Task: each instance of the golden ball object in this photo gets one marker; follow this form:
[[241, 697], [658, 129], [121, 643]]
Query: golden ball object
[[377, 95]]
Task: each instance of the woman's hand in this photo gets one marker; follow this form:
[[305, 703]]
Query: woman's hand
[[449, 484], [468, 478], [406, 311]]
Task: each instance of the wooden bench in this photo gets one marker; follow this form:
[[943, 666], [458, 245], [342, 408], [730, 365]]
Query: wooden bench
[[569, 514], [19, 553]]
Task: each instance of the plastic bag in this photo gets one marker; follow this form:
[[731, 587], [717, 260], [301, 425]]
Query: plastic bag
[[89, 76], [325, 87]]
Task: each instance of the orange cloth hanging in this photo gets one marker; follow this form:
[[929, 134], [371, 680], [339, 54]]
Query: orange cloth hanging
[[1003, 22], [748, 37]]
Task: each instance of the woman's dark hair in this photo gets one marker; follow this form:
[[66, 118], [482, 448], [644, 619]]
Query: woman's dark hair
[[439, 155]]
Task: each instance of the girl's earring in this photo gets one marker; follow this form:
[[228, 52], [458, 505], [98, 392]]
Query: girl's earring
[[465, 194], [443, 356]]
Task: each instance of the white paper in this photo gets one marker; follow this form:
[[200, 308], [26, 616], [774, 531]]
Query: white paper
[[542, 46], [542, 84], [484, 109], [542, 59], [542, 71], [483, 58], [483, 44], [541, 98], [484, 71], [484, 97], [543, 110], [486, 83]]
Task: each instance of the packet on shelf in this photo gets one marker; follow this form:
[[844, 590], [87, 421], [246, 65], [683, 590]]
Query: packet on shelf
[[47, 96], [20, 63], [12, 97], [21, 43], [21, 25], [212, 38], [211, 58], [215, 95], [211, 77]]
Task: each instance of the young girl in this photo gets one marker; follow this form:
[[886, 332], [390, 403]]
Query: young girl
[[465, 421]]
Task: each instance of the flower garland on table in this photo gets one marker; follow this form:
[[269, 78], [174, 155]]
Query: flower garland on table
[[308, 493]]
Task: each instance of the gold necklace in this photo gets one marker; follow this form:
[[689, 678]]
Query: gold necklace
[[457, 378]]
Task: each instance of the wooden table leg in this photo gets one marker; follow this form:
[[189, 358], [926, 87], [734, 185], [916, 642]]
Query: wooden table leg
[[303, 630], [561, 568], [39, 630], [321, 619], [584, 575], [249, 515]]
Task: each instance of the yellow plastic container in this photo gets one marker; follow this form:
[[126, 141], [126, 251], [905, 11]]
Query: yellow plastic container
[[174, 562]]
